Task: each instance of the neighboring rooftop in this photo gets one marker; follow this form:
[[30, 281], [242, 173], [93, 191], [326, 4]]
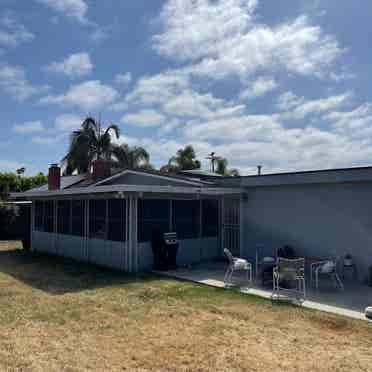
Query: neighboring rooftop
[[336, 175], [199, 172]]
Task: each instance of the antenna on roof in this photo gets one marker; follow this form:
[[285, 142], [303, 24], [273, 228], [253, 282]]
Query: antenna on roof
[[259, 167], [212, 157]]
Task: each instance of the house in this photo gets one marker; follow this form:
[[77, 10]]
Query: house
[[108, 219]]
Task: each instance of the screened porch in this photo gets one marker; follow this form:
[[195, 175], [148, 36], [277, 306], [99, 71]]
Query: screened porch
[[116, 231]]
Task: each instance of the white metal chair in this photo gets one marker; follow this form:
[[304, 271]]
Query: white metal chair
[[236, 264], [289, 271], [325, 268]]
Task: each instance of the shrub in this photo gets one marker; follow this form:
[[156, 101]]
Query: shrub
[[8, 216]]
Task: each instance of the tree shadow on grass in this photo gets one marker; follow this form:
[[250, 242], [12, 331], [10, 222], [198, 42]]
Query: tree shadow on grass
[[59, 275]]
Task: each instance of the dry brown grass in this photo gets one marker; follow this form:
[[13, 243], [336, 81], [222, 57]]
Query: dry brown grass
[[58, 315]]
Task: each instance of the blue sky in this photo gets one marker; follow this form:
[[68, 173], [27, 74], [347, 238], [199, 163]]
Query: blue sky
[[283, 83]]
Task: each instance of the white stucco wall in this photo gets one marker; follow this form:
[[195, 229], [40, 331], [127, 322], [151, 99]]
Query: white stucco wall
[[317, 220], [113, 254], [100, 252]]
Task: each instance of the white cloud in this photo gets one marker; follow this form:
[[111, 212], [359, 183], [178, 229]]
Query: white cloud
[[89, 95], [9, 165], [123, 79], [158, 88], [13, 81], [144, 118], [341, 76], [99, 34], [230, 41], [13, 33], [356, 124], [298, 107], [76, 9], [74, 66], [191, 103], [28, 127], [172, 93], [288, 100], [169, 126], [259, 87], [192, 30], [51, 140], [67, 122], [235, 128], [249, 140]]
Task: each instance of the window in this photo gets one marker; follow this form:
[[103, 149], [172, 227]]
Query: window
[[186, 218], [78, 217], [39, 213], [116, 220], [63, 220], [210, 217], [153, 215], [97, 219]]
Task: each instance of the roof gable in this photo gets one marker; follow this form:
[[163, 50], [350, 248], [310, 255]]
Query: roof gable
[[139, 177]]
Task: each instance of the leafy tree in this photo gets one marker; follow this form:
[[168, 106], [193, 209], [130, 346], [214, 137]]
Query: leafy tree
[[87, 144], [185, 159], [125, 156], [224, 170], [12, 182]]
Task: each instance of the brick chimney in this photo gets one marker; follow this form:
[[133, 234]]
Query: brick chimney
[[100, 169], [54, 177]]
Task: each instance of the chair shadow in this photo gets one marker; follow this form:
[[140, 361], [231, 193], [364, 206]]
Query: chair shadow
[[59, 275]]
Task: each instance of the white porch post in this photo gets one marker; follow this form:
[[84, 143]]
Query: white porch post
[[55, 225], [222, 228], [241, 224], [86, 229], [135, 234], [130, 235], [132, 251], [200, 230], [32, 227]]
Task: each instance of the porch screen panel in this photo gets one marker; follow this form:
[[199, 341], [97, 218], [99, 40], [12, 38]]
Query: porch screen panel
[[210, 217], [77, 217], [153, 215], [97, 219], [63, 212], [49, 216], [39, 216], [116, 220], [186, 218]]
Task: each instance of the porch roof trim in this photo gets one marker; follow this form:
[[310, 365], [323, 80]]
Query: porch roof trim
[[130, 189]]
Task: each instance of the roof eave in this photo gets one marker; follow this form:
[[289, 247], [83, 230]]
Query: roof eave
[[129, 189]]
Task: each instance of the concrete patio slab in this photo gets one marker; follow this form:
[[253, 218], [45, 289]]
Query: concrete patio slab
[[351, 302]]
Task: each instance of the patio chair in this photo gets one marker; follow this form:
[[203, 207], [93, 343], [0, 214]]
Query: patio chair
[[236, 264], [288, 272], [325, 268], [267, 263]]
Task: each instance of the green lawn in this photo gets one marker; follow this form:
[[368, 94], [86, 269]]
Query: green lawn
[[56, 314]]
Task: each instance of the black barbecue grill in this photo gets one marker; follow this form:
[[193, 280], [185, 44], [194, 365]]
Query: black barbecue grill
[[164, 248], [171, 244]]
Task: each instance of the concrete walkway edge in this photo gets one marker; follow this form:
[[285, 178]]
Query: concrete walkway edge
[[268, 295]]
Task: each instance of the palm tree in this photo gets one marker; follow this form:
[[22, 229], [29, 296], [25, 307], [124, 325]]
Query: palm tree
[[223, 170], [87, 144], [183, 160], [130, 157]]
